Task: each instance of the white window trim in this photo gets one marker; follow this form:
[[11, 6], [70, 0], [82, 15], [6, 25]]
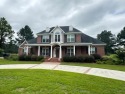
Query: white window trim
[[45, 48], [70, 37], [93, 50], [70, 50], [45, 37]]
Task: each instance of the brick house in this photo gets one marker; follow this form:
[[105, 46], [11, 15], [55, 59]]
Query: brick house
[[56, 42]]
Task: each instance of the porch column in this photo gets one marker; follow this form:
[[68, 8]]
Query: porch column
[[60, 52], [27, 50], [74, 49], [88, 49], [51, 52], [38, 50]]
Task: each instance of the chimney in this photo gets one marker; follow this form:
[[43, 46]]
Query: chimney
[[70, 28], [47, 29]]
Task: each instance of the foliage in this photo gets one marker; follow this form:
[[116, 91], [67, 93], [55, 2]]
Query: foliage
[[86, 58], [13, 57], [108, 38], [97, 56], [89, 59], [24, 34], [121, 37], [1, 52], [30, 58], [6, 31], [11, 47], [121, 55]]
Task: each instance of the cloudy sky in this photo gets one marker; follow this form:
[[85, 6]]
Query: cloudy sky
[[89, 16]]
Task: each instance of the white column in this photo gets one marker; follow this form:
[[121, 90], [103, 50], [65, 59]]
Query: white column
[[60, 52], [74, 49], [27, 50], [38, 50], [88, 49], [51, 52]]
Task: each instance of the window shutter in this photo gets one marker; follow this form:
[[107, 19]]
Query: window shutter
[[95, 50]]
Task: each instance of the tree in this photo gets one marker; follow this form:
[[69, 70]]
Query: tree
[[108, 38], [6, 31], [121, 37], [24, 34]]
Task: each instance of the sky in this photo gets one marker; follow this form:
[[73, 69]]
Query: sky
[[89, 16]]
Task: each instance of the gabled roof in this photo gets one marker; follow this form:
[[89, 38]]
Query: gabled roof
[[64, 28]]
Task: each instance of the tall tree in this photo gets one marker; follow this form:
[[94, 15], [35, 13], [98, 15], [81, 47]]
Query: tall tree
[[121, 37], [108, 38], [6, 31], [24, 34]]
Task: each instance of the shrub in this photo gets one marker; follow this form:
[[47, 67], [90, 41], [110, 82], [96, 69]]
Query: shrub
[[1, 52], [78, 59], [33, 58], [121, 55], [40, 58], [13, 57], [22, 57], [97, 56], [89, 59]]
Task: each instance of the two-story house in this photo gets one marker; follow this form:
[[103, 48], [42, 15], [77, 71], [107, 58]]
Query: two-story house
[[60, 41]]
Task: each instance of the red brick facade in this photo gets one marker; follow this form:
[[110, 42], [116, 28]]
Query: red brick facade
[[39, 38], [78, 37], [100, 50]]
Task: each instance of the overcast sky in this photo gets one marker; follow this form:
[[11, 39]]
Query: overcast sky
[[89, 16]]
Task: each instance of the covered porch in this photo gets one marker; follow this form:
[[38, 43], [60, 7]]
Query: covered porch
[[60, 50]]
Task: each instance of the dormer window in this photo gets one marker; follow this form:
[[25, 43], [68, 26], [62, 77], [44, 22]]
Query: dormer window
[[71, 38], [45, 39]]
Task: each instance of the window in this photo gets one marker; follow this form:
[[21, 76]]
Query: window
[[57, 37], [70, 51], [45, 39], [45, 51], [93, 50], [70, 38]]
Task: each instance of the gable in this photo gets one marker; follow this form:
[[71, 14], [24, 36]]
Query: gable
[[23, 44]]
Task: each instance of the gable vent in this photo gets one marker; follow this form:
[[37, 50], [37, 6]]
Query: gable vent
[[70, 28], [47, 29]]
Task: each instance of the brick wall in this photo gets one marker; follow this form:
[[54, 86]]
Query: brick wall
[[78, 37], [39, 38], [100, 50], [20, 51]]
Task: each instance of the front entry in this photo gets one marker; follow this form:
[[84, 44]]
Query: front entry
[[56, 52]]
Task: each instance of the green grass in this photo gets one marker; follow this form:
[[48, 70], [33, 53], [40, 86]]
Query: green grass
[[56, 82], [4, 61], [105, 66]]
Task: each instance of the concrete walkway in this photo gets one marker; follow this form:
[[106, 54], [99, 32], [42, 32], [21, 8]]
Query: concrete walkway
[[119, 75]]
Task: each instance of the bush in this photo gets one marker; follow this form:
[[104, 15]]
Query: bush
[[89, 59], [121, 55], [1, 52], [30, 58], [97, 56], [78, 58], [13, 57], [40, 58]]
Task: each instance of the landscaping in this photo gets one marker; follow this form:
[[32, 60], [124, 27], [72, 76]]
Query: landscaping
[[56, 82]]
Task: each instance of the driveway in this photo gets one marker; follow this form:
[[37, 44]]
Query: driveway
[[119, 75]]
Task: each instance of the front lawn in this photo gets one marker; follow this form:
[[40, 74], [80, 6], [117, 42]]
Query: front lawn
[[105, 66], [4, 61], [56, 82]]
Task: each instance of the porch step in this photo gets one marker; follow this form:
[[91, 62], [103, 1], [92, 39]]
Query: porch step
[[52, 60]]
